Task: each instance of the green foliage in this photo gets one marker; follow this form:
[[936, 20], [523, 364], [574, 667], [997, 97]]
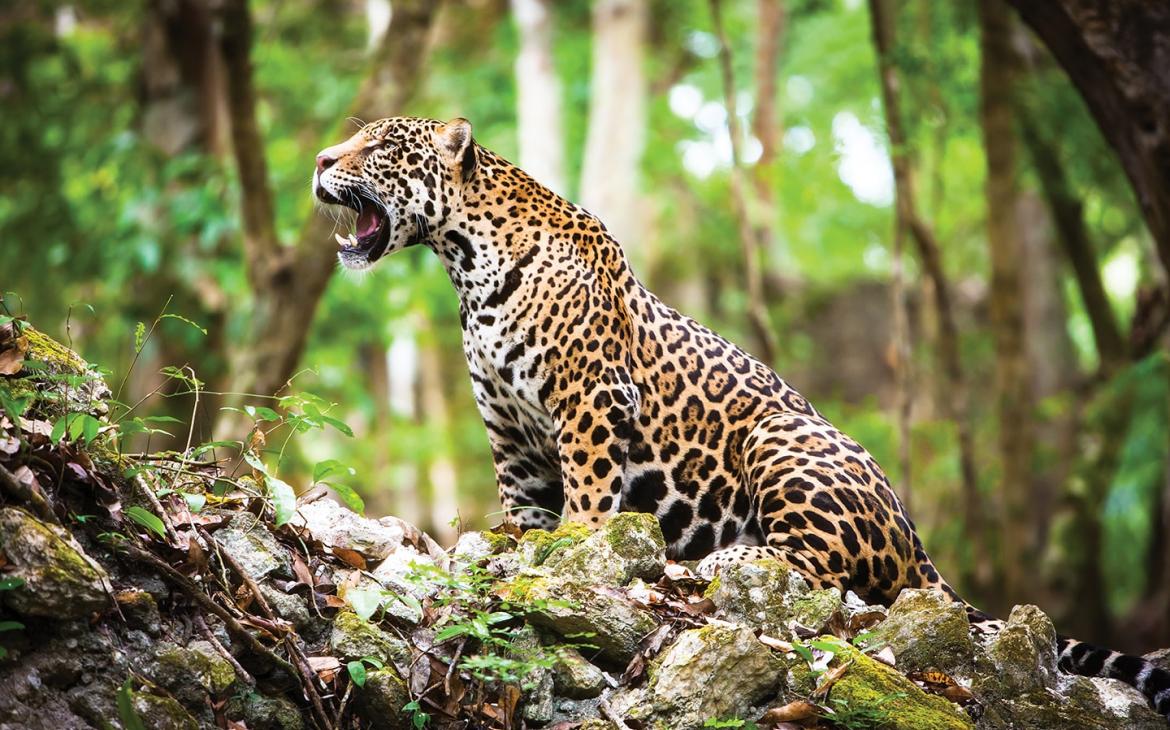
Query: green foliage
[[357, 669], [128, 716], [731, 722], [418, 718], [146, 519]]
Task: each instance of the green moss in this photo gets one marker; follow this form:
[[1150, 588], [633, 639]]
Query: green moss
[[161, 713], [353, 638], [498, 541], [59, 579], [626, 532], [57, 358], [712, 587], [539, 540], [200, 661], [867, 684], [815, 608]]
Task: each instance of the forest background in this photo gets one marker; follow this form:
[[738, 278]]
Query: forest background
[[906, 207]]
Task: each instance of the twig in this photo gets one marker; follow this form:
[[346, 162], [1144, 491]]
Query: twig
[[306, 673], [242, 673], [151, 497], [193, 592], [451, 666], [342, 706]]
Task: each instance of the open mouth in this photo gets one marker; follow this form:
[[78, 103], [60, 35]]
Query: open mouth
[[371, 234]]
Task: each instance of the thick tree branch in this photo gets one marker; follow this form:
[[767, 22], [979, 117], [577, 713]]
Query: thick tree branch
[[1117, 53]]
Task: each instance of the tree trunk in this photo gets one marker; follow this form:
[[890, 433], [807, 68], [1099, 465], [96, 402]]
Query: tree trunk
[[288, 281], [617, 118], [1013, 397], [1117, 53], [767, 129], [930, 255], [757, 309], [538, 96]]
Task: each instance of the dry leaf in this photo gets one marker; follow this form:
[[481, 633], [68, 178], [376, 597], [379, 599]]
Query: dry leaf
[[774, 643], [352, 558], [12, 350], [886, 656], [324, 663], [792, 712], [829, 678]]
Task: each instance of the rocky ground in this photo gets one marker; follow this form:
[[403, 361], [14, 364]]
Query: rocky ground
[[159, 592]]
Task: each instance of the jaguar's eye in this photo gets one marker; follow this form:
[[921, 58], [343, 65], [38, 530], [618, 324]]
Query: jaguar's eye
[[381, 143]]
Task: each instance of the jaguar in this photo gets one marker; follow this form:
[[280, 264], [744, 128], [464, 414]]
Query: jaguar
[[598, 397]]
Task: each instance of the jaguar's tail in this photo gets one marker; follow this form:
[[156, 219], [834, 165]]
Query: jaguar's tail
[[1079, 657]]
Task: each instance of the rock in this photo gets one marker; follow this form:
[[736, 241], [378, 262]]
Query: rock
[[402, 573], [259, 712], [872, 689], [927, 629], [335, 526], [574, 677], [191, 673], [1160, 658], [289, 607], [537, 704], [161, 713], [256, 551], [761, 594], [612, 624], [1017, 679], [381, 699], [353, 638], [472, 547], [87, 389], [717, 671], [140, 610], [60, 580], [630, 545], [814, 609]]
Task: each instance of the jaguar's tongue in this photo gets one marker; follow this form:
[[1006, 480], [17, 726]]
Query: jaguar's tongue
[[368, 221]]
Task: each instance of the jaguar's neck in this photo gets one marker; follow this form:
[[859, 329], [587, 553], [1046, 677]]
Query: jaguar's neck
[[507, 222]]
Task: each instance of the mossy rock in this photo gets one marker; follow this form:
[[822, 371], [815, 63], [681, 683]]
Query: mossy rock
[[763, 594], [260, 712], [161, 713], [570, 609], [536, 546], [630, 545], [1020, 658], [381, 699], [574, 677], [247, 540], [814, 609], [191, 673], [353, 637], [927, 629], [61, 381], [719, 670], [60, 580], [872, 688]]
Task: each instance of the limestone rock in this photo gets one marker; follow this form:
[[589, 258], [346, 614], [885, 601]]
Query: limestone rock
[[614, 625], [60, 580], [335, 526], [717, 671], [630, 545], [259, 712], [353, 638], [761, 594], [191, 673], [574, 677], [380, 701], [877, 690], [161, 713], [254, 548], [1017, 680], [537, 546], [927, 629], [140, 610]]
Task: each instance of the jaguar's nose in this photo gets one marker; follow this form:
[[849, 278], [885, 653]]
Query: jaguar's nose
[[324, 162]]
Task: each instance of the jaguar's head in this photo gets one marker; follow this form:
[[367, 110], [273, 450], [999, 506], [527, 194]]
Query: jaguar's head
[[402, 176]]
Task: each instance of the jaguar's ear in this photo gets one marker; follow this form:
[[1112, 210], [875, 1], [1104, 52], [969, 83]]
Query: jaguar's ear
[[456, 146]]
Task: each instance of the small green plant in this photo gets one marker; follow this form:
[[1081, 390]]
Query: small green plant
[[357, 669], [418, 718], [864, 717], [8, 584]]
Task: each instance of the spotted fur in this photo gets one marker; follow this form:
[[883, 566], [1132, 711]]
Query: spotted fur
[[600, 398]]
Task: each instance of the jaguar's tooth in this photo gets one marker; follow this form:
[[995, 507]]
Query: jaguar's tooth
[[353, 241], [341, 242]]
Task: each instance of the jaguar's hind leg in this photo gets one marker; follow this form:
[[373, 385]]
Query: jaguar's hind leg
[[825, 508], [720, 559]]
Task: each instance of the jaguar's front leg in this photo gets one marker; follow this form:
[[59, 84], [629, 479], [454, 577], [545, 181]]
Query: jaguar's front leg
[[595, 423]]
